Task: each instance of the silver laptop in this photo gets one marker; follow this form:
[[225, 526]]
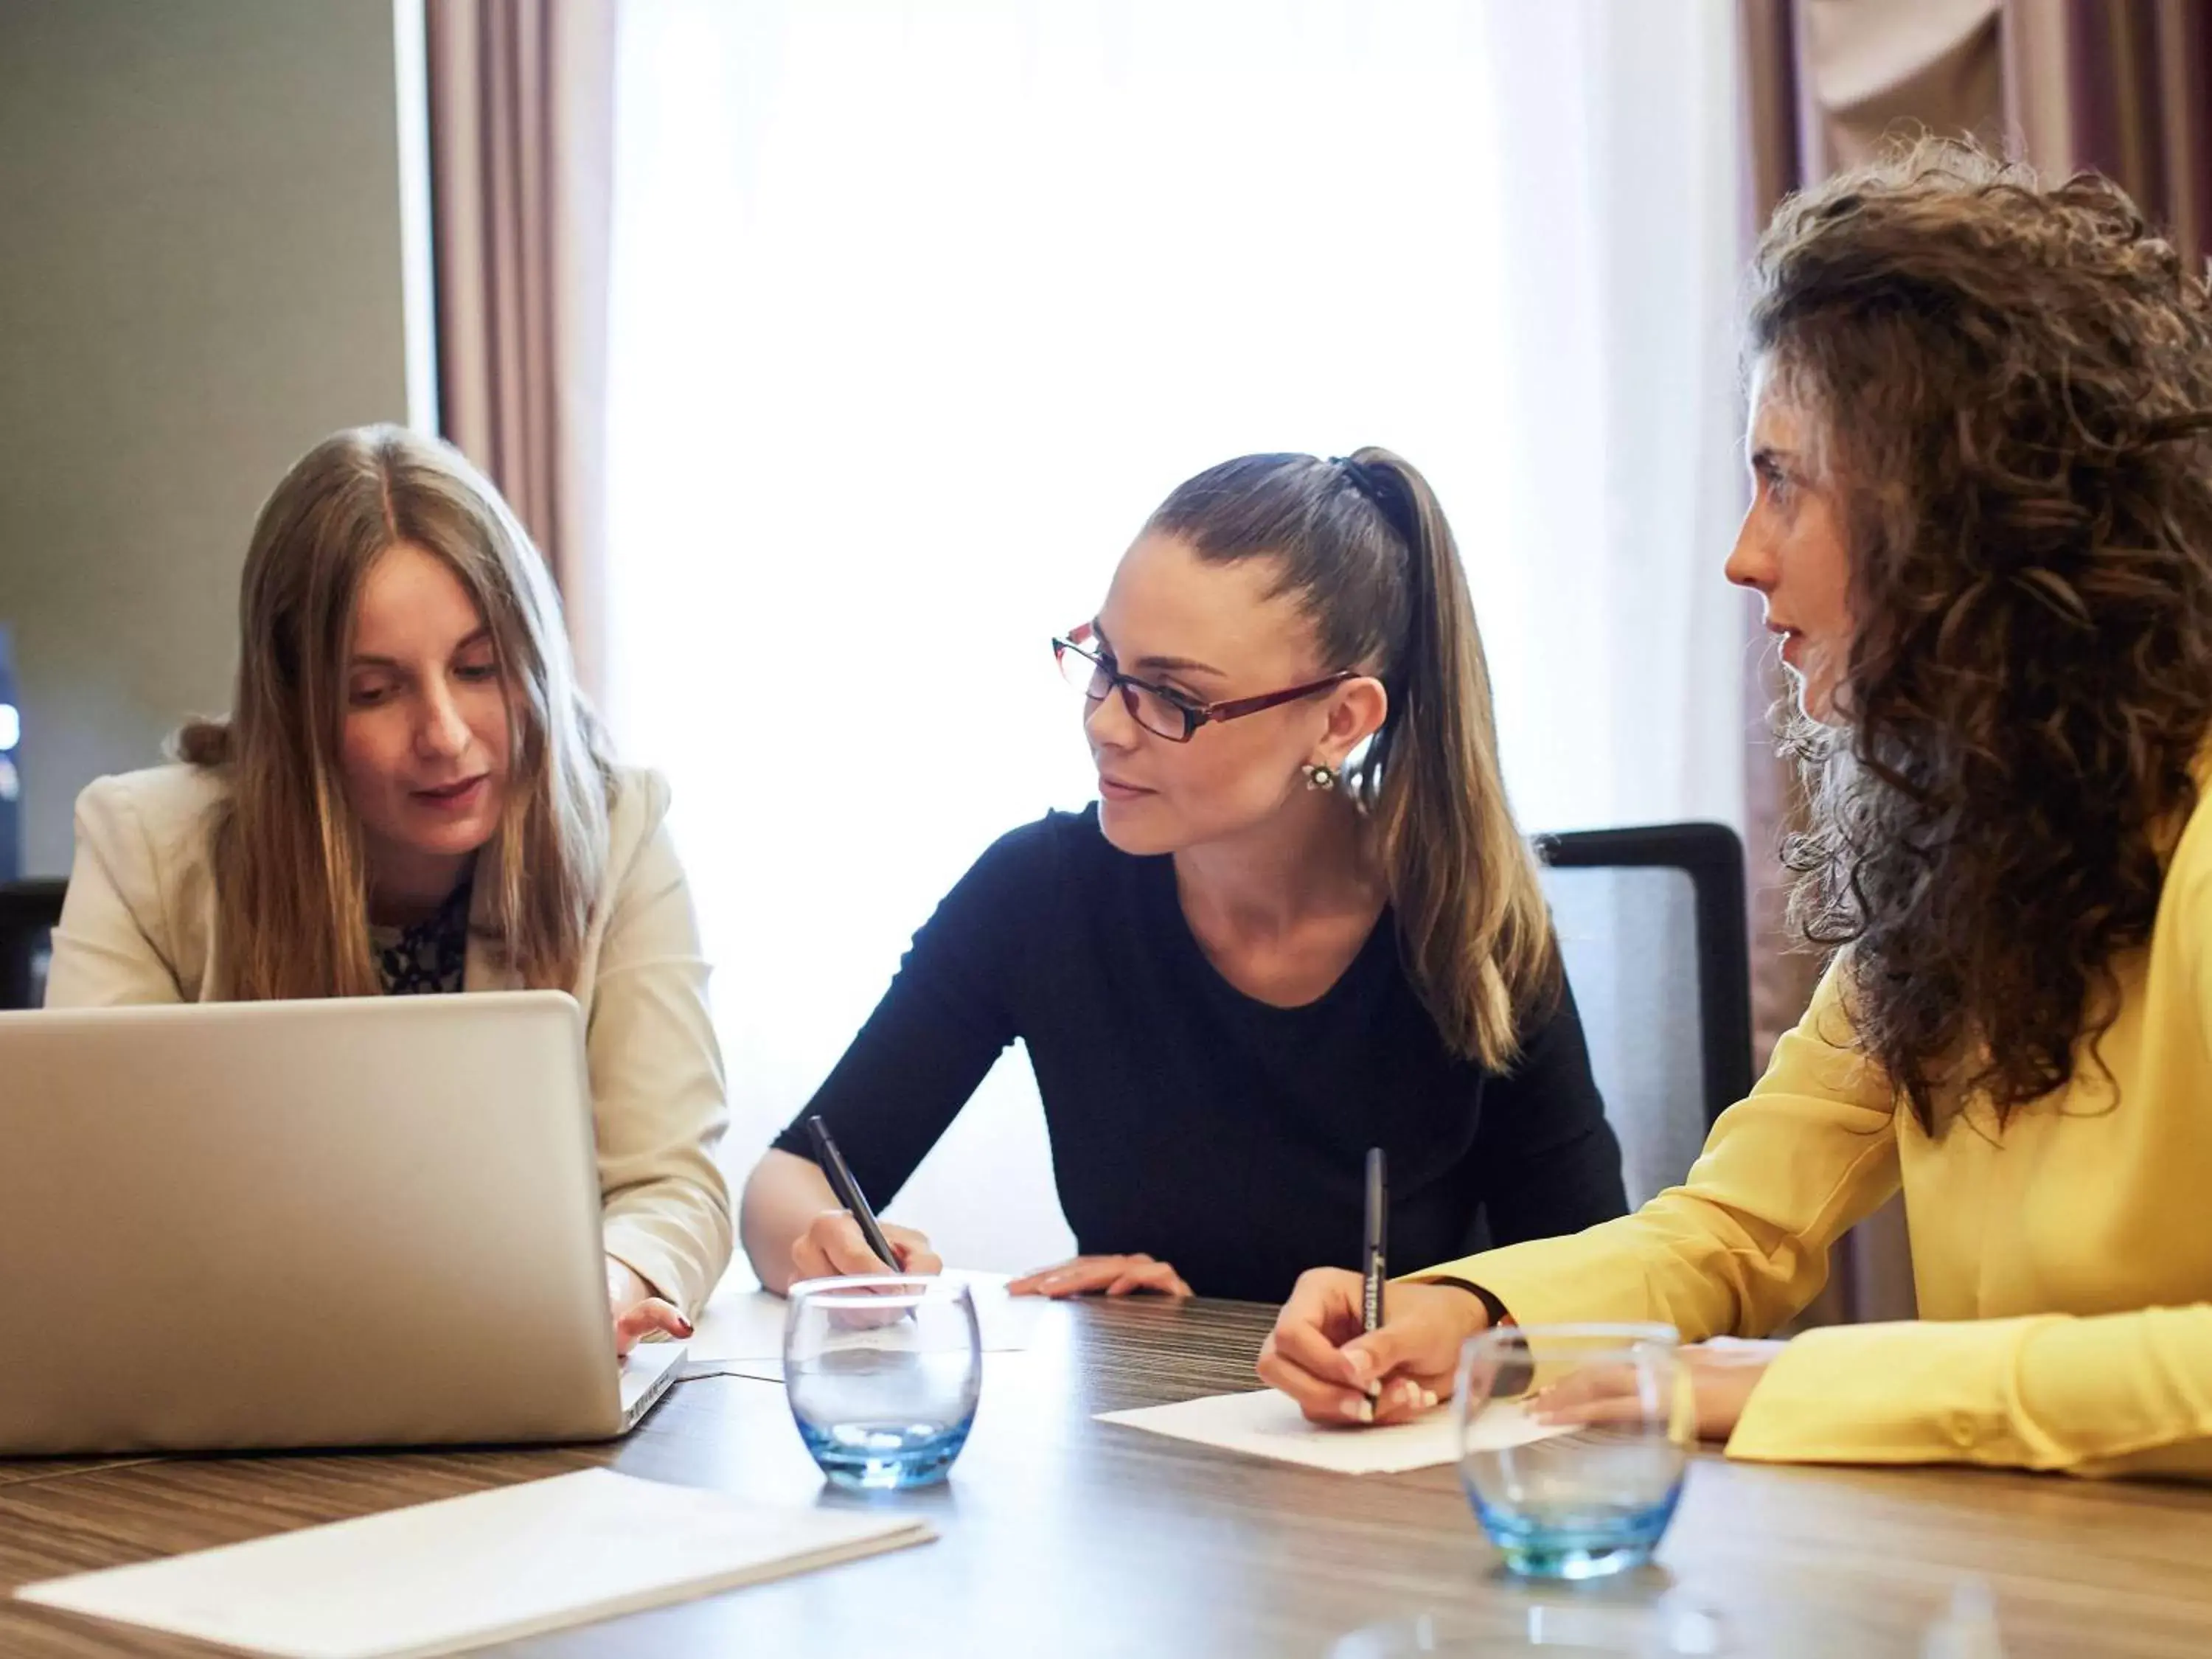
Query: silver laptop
[[356, 1222]]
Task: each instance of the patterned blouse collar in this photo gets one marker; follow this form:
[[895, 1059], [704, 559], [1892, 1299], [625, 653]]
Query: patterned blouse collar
[[431, 956]]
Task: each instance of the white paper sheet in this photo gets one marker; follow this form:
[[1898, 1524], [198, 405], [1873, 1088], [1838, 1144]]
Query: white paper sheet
[[1266, 1423], [739, 1333], [493, 1566]]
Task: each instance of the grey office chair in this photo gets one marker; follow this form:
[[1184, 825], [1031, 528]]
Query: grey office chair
[[28, 912], [1651, 925]]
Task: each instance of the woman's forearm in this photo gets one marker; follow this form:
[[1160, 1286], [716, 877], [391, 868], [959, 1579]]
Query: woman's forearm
[[782, 1196]]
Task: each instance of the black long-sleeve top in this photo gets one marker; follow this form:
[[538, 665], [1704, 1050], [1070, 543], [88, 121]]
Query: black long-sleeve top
[[1189, 1121]]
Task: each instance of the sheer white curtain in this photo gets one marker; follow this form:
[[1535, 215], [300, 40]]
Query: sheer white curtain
[[921, 306]]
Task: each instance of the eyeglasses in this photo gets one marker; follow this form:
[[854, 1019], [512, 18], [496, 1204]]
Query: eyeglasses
[[1166, 713]]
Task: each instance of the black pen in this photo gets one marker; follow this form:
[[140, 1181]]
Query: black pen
[[849, 1191], [1378, 1219]]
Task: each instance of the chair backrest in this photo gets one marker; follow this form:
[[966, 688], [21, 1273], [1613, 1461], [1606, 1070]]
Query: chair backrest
[[1652, 925], [28, 912]]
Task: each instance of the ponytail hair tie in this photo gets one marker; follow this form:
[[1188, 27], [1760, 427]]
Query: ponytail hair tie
[[1382, 493], [1357, 474]]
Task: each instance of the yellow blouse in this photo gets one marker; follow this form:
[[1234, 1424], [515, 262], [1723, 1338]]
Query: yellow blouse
[[2064, 1268]]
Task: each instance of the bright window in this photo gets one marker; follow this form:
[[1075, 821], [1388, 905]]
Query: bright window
[[921, 308]]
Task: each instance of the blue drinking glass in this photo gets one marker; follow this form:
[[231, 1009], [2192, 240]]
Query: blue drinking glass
[[882, 1373], [1589, 1499]]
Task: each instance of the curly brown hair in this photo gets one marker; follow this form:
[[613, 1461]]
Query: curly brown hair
[[2014, 384]]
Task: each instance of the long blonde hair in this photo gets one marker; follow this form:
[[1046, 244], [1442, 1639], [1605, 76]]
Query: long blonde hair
[[1366, 548], [290, 871]]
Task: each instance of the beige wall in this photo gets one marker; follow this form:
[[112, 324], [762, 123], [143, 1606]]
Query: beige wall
[[201, 273]]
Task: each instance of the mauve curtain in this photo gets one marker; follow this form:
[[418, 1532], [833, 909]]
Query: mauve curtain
[[2124, 87], [522, 172]]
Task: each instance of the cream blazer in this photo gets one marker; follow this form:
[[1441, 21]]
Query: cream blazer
[[140, 924]]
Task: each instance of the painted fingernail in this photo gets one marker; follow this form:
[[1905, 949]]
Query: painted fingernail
[[1410, 1393], [1360, 1361], [1428, 1399], [1358, 1411]]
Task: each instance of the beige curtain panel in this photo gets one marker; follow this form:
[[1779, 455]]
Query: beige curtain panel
[[522, 172]]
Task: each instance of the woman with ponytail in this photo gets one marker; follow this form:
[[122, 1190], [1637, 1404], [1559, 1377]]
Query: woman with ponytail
[[1299, 922]]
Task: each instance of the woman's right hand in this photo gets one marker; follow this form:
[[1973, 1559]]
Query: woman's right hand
[[1321, 1355], [833, 1246]]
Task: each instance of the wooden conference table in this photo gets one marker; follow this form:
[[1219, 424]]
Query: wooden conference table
[[1063, 1536]]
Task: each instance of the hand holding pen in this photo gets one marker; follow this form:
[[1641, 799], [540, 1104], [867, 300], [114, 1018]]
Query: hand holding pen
[[1348, 1356], [851, 1240]]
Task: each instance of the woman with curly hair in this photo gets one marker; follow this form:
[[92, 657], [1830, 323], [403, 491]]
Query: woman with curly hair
[[1982, 526]]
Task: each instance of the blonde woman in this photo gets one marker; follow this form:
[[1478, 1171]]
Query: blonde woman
[[1298, 923], [410, 796]]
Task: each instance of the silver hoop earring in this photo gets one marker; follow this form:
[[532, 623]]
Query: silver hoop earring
[[1318, 776]]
